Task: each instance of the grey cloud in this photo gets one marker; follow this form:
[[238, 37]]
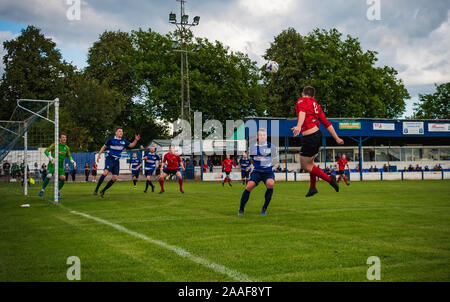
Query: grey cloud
[[405, 25]]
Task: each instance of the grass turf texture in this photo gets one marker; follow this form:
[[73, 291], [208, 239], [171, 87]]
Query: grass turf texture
[[327, 237]]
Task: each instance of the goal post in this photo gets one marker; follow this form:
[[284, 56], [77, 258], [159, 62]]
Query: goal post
[[55, 122], [17, 130]]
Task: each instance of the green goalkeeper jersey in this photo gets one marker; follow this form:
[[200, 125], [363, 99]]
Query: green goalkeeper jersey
[[63, 150]]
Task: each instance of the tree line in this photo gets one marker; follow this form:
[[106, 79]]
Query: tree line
[[132, 79]]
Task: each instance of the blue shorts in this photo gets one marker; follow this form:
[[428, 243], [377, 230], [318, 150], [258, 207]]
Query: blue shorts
[[258, 176], [112, 165], [135, 173], [149, 172], [245, 174]]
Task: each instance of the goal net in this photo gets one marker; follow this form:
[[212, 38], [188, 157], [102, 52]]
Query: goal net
[[32, 127]]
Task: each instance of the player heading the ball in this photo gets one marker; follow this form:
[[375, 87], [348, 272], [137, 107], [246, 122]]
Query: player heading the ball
[[114, 146], [309, 117]]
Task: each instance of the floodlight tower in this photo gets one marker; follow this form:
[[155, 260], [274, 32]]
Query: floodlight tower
[[183, 26]]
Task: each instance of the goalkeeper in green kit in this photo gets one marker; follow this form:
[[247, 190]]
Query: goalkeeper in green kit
[[64, 152]]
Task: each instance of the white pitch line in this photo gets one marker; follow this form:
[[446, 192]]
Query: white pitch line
[[178, 250]]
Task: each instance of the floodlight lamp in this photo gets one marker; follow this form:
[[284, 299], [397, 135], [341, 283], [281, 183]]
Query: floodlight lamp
[[196, 20], [172, 17]]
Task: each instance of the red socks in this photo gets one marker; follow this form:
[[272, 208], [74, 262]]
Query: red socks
[[161, 183], [312, 181], [319, 173]]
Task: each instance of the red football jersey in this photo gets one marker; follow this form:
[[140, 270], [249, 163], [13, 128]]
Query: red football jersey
[[314, 114], [172, 160], [228, 163], [94, 166], [341, 163]]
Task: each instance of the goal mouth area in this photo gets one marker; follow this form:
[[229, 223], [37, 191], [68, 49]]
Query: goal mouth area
[[14, 137]]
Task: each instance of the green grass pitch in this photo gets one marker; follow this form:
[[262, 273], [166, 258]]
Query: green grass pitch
[[324, 238]]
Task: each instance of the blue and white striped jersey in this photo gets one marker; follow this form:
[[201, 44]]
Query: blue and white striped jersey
[[150, 162], [135, 162], [264, 157], [245, 163], [116, 146]]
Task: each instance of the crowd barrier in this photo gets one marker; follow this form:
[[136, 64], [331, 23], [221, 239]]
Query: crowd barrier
[[295, 176]]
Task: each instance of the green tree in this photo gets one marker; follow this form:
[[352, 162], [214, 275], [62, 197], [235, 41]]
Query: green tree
[[109, 61], [347, 82], [34, 69], [223, 84], [434, 105], [112, 61], [89, 112]]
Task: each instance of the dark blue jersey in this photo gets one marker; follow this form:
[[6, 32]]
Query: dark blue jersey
[[135, 162], [245, 163], [115, 146], [264, 157], [150, 162]]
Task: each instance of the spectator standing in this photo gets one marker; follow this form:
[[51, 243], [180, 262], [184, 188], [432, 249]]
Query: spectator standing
[[87, 171], [67, 171], [74, 173], [204, 167], [94, 172]]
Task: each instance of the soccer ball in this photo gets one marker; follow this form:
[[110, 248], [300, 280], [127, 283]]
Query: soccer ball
[[272, 66]]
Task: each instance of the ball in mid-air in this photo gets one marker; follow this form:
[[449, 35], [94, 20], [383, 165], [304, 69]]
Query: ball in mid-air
[[272, 66]]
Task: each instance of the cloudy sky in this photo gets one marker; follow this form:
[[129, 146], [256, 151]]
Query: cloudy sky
[[413, 36]]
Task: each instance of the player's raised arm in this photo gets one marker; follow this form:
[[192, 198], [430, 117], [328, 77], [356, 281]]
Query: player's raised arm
[[137, 137], [326, 123], [301, 119]]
